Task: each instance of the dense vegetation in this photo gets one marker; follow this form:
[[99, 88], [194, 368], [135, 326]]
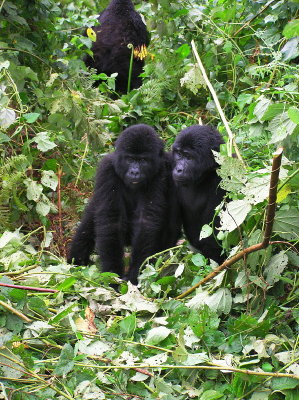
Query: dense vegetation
[[84, 340]]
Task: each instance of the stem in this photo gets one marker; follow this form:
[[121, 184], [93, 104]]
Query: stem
[[272, 196], [130, 46], [217, 103], [35, 289], [15, 273], [204, 367], [14, 311], [59, 175]]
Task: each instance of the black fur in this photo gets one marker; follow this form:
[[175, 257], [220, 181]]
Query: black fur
[[119, 25], [197, 183], [133, 204]]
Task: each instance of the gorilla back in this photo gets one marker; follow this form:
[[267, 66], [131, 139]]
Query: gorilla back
[[133, 204], [119, 25], [197, 183]]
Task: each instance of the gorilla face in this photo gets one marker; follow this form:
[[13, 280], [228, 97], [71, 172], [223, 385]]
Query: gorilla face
[[137, 169], [192, 155], [138, 155]]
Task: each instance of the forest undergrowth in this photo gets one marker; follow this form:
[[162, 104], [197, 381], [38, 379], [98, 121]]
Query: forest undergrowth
[[64, 332]]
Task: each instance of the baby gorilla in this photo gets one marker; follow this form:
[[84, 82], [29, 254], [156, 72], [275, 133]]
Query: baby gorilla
[[197, 183], [133, 204]]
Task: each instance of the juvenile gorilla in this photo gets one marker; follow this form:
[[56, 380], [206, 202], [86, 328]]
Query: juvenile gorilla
[[197, 183], [119, 25], [133, 204]]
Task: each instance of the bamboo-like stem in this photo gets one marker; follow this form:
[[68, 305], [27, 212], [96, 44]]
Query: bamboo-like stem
[[130, 46], [14, 311], [267, 233], [231, 142], [19, 272], [35, 289], [272, 196], [204, 367]]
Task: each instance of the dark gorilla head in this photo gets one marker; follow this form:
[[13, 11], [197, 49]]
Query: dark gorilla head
[[192, 155], [138, 155]]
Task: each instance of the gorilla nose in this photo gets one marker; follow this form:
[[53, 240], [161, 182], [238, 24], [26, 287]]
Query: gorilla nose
[[134, 174]]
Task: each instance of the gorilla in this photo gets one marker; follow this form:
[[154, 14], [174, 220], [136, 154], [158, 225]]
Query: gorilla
[[119, 25], [133, 204], [197, 184]]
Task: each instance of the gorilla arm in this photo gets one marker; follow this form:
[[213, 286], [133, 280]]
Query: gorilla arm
[[109, 218]]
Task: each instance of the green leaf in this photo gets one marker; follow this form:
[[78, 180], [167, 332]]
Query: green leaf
[[291, 29], [43, 208], [286, 224], [63, 313], [67, 283], [280, 127], [227, 47], [184, 50], [11, 365], [4, 138], [267, 367], [39, 306], [34, 189], [66, 361], [275, 267], [156, 335], [293, 114], [7, 117], [244, 98], [284, 383], [31, 117], [273, 110], [43, 142], [198, 260], [211, 395], [128, 325], [205, 232], [233, 174], [290, 50], [49, 179], [234, 214], [261, 107], [220, 301]]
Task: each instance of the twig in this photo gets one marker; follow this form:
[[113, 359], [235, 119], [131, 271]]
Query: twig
[[254, 17], [19, 272], [59, 175], [272, 196], [204, 367], [232, 142], [14, 311], [130, 46], [35, 289], [287, 244], [267, 233]]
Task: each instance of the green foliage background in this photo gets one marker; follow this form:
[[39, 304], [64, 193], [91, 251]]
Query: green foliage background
[[87, 341]]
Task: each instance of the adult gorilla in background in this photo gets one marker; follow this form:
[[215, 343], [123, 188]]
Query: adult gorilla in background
[[197, 183], [119, 25], [133, 204]]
